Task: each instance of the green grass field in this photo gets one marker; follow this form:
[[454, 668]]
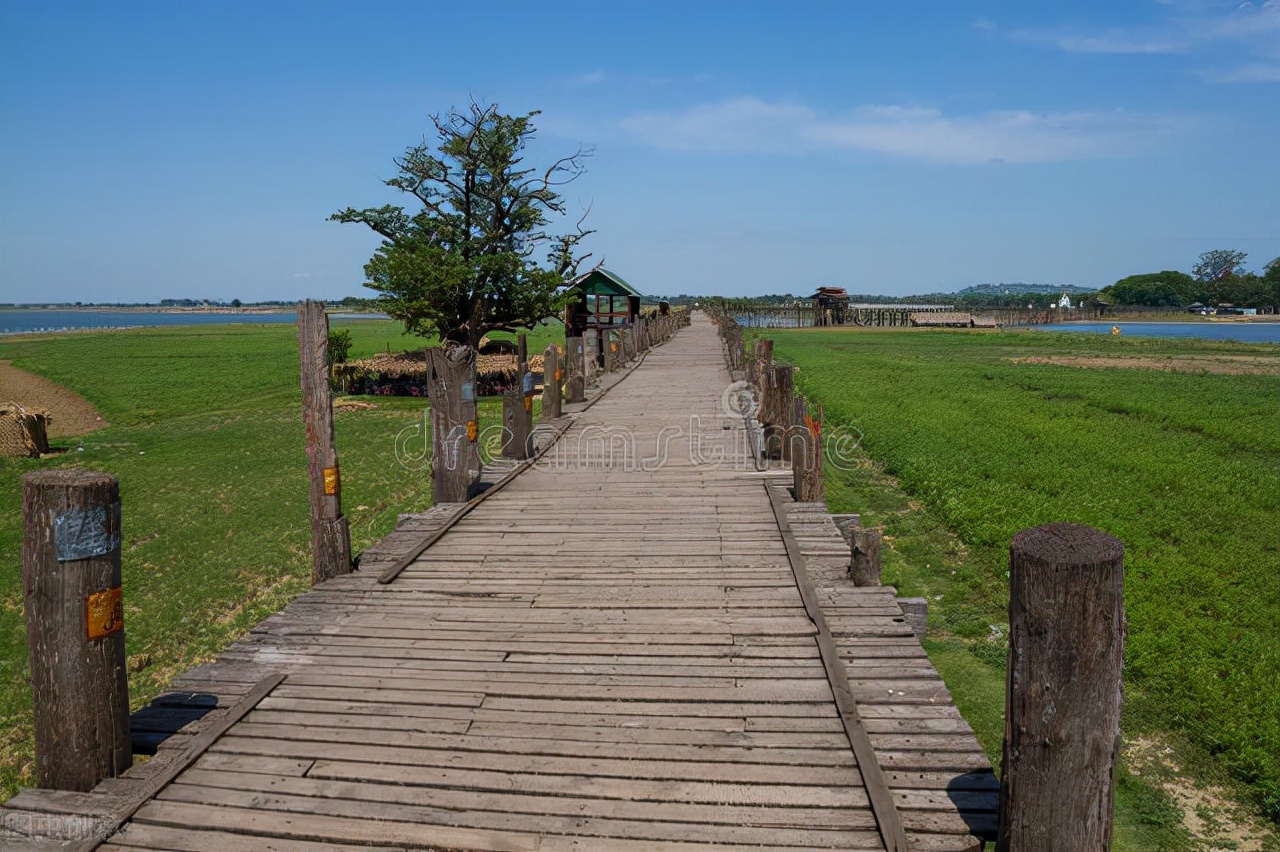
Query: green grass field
[[206, 437], [964, 447]]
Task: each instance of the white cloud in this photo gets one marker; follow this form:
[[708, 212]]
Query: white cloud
[[1255, 73], [1247, 31], [757, 126], [1118, 42]]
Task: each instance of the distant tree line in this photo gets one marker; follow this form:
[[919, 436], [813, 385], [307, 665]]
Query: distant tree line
[[1217, 279]]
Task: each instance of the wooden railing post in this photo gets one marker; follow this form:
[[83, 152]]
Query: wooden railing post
[[517, 406], [455, 458], [864, 556], [610, 352], [1062, 701], [330, 535], [762, 367], [575, 380], [515, 425], [778, 412], [552, 376], [75, 626], [806, 454]]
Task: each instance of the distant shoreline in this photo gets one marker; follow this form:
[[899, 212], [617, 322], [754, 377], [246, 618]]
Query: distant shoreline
[[150, 309]]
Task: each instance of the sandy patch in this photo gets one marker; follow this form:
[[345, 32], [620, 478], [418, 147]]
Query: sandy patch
[[71, 413], [1209, 815], [1235, 365]]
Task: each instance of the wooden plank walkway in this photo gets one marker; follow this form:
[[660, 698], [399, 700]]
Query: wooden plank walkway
[[610, 654]]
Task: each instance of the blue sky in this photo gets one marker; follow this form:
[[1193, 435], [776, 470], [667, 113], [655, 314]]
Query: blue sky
[[152, 150]]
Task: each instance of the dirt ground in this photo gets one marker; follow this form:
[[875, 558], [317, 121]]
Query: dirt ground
[[71, 413], [1209, 816], [1236, 365]]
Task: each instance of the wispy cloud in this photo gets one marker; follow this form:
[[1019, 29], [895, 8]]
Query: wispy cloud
[[1247, 30], [755, 126], [1255, 73]]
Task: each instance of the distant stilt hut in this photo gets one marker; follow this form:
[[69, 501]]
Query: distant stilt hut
[[829, 305]]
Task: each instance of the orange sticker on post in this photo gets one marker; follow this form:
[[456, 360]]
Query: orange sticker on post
[[473, 430], [104, 613], [528, 403], [330, 480]]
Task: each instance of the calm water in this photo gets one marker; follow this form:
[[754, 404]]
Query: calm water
[[1241, 332], [17, 322]]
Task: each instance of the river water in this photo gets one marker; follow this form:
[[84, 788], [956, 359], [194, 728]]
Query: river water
[[34, 321]]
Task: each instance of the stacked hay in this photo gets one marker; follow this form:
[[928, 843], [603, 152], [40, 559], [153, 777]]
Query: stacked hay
[[22, 431], [405, 374]]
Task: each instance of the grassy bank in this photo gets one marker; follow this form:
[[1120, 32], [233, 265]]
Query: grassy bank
[[206, 436], [966, 445]]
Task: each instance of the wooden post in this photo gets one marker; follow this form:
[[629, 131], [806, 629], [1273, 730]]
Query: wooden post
[[455, 459], [864, 556], [782, 390], [1062, 702], [75, 626], [610, 352], [799, 439], [806, 458], [763, 367], [552, 376], [916, 613], [575, 381], [330, 536], [515, 434]]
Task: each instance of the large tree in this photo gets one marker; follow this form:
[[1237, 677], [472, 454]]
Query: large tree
[[1218, 264], [464, 264]]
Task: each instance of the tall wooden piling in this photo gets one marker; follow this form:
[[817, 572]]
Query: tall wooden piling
[[864, 556], [806, 454], [330, 535], [761, 367], [517, 407], [777, 409], [75, 626], [552, 376], [805, 441], [1062, 703], [575, 378], [516, 426], [455, 458]]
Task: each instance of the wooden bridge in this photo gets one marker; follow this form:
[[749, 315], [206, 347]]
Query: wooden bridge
[[641, 643]]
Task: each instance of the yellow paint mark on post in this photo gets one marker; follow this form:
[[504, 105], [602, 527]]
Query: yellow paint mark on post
[[473, 430], [104, 612], [528, 403], [330, 480]]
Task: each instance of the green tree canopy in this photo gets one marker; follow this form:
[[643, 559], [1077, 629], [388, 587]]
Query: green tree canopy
[[1168, 288], [463, 265]]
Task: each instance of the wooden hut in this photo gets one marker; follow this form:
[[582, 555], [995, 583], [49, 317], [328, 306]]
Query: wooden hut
[[829, 305], [604, 302]]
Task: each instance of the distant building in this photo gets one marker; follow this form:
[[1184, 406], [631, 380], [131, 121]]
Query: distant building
[[829, 305]]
